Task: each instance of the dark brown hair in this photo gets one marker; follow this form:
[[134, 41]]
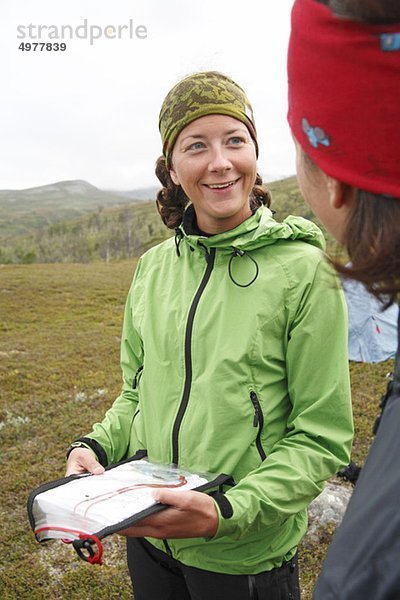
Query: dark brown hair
[[372, 240], [372, 235], [172, 200], [366, 11]]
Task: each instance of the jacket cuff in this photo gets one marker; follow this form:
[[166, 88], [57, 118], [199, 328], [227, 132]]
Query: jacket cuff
[[225, 513], [91, 444], [225, 507]]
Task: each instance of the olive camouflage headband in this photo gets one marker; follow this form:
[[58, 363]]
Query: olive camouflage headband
[[198, 95]]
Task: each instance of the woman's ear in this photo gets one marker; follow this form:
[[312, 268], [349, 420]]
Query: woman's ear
[[335, 192], [174, 177], [339, 194]]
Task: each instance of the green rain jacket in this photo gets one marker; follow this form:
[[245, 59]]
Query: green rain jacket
[[234, 360]]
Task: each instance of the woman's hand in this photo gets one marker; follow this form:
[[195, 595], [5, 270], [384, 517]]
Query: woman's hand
[[191, 514], [82, 460]]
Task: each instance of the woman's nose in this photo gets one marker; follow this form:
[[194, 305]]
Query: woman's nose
[[218, 160]]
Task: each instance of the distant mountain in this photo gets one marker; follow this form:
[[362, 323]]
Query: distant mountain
[[21, 211], [54, 192], [147, 193]]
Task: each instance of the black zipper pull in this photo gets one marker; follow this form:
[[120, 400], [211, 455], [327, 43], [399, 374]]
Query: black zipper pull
[[258, 422], [137, 377], [254, 399], [207, 252]]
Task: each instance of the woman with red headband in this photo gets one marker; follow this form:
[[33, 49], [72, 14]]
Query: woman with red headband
[[344, 112]]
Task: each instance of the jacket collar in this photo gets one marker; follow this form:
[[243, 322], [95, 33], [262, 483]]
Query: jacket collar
[[226, 239], [260, 229]]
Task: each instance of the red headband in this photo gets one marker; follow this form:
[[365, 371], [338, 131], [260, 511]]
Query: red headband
[[344, 96]]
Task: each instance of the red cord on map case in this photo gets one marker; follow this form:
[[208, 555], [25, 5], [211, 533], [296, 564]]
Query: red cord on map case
[[83, 544]]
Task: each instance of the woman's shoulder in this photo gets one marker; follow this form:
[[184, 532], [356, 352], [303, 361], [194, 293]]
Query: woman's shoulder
[[292, 240], [158, 251], [300, 259]]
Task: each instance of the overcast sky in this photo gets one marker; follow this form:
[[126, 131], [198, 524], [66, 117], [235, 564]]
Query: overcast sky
[[91, 112]]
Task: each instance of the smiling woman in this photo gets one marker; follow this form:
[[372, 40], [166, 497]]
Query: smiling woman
[[192, 144], [214, 160], [234, 361]]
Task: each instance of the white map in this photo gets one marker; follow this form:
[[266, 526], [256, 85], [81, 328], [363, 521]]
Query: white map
[[92, 502]]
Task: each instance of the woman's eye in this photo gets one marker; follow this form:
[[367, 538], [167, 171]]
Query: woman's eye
[[196, 146], [236, 141]]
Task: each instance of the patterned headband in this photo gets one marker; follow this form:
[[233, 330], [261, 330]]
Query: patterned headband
[[201, 94]]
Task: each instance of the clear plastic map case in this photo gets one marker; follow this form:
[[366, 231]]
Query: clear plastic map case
[[83, 509]]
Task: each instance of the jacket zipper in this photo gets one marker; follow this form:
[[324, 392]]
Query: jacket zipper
[[137, 377], [188, 355], [258, 421], [167, 548]]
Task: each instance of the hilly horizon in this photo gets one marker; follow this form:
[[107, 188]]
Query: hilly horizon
[[26, 209], [75, 186], [73, 221]]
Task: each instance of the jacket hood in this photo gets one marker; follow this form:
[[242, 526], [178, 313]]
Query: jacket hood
[[259, 230]]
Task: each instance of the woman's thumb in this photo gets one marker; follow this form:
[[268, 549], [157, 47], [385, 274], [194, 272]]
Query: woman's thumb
[[165, 496], [97, 469], [90, 464]]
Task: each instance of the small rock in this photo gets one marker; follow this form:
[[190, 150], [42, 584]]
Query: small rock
[[13, 420], [328, 508], [100, 393], [80, 397]]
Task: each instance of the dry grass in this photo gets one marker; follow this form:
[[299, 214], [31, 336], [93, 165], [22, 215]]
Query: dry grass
[[59, 371]]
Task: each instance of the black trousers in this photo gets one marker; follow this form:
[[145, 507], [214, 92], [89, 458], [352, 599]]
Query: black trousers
[[157, 576]]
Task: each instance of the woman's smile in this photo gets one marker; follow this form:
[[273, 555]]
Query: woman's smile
[[221, 186]]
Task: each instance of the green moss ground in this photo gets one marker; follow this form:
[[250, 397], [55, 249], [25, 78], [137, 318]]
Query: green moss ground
[[59, 352]]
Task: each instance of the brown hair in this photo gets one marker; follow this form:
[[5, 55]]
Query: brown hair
[[366, 11], [172, 200], [372, 235], [372, 239]]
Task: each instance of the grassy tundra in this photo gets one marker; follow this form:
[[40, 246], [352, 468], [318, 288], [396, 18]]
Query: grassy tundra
[[59, 371]]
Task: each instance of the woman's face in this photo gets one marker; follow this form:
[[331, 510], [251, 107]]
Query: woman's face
[[214, 160], [324, 195]]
